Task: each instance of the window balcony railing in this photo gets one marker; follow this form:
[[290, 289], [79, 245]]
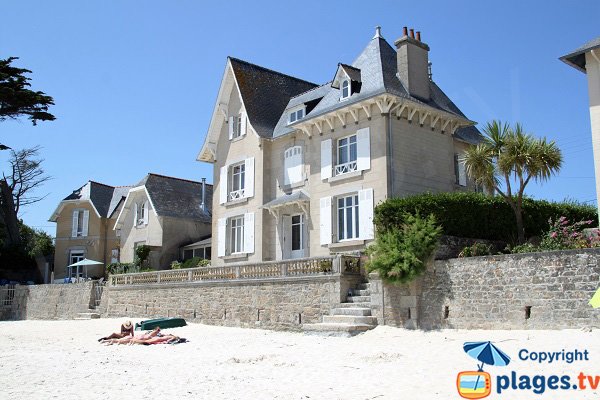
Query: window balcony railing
[[236, 195], [341, 169]]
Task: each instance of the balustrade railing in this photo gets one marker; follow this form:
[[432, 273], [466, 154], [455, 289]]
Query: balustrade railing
[[236, 195], [264, 270], [345, 168]]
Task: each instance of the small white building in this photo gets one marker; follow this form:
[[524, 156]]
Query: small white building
[[587, 60]]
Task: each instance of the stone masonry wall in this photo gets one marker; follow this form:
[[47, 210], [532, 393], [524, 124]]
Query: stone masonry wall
[[522, 291], [49, 301], [273, 303]]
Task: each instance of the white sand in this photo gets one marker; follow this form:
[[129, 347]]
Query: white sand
[[63, 360]]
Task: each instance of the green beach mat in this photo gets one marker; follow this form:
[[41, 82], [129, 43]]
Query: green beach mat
[[595, 301], [163, 323]]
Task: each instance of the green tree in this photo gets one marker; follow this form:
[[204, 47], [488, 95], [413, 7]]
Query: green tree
[[509, 154], [17, 100]]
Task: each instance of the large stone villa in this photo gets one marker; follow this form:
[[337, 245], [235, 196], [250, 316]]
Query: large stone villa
[[299, 167]]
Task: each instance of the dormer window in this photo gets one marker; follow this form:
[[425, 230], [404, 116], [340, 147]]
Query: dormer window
[[345, 89], [296, 115]]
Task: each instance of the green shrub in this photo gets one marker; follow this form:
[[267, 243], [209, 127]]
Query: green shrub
[[175, 265], [195, 262], [204, 263], [476, 249], [141, 254], [121, 268], [400, 254], [475, 215]]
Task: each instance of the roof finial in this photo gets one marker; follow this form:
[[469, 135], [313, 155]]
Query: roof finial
[[377, 32]]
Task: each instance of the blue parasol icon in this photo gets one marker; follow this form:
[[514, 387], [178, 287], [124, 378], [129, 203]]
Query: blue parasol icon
[[487, 353]]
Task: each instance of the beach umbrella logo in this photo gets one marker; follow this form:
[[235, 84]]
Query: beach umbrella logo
[[478, 384], [595, 301]]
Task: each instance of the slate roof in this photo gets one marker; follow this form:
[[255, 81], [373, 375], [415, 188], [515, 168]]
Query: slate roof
[[377, 66], [353, 73], [105, 198], [576, 58], [178, 198], [265, 93]]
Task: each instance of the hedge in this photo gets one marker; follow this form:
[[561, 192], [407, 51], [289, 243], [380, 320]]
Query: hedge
[[475, 215]]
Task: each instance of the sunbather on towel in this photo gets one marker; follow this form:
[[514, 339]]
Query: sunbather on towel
[[127, 339], [126, 330], [146, 341]]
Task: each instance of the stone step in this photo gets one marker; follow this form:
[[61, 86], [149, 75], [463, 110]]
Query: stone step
[[327, 329], [359, 299], [349, 319], [87, 315], [358, 311], [361, 292], [363, 286], [352, 305]]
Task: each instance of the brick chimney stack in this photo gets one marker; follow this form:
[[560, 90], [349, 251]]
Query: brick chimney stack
[[412, 57]]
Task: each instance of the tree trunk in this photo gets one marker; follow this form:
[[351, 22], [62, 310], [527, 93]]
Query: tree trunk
[[9, 215], [520, 227]]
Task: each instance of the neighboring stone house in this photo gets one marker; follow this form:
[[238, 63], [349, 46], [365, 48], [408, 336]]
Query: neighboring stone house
[[587, 60], [84, 227], [299, 167], [164, 213]]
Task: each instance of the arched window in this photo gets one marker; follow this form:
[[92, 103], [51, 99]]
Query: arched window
[[345, 89]]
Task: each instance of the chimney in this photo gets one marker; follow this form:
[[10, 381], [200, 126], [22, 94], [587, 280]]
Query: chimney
[[412, 58], [203, 205]]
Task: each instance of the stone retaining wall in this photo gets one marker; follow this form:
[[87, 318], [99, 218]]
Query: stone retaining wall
[[49, 301], [522, 291], [276, 303]]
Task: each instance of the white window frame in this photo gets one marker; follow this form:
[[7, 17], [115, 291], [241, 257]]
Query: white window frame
[[297, 153], [141, 211], [75, 256], [350, 165], [79, 227], [237, 126], [296, 115], [235, 235], [347, 88], [342, 221], [300, 225], [237, 179]]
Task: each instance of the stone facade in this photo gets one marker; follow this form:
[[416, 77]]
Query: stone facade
[[523, 291], [49, 301], [284, 303]]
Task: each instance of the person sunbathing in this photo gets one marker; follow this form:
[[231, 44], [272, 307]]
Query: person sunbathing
[[126, 330], [145, 339]]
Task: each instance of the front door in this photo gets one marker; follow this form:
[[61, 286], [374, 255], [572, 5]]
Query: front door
[[295, 237]]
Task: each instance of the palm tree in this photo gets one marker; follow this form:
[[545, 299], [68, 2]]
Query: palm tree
[[506, 153]]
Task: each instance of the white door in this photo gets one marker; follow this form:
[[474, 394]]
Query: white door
[[294, 236]]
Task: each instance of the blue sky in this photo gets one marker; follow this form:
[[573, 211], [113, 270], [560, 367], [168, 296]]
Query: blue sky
[[135, 82]]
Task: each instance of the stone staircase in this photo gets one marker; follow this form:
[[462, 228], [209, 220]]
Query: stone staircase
[[89, 314], [349, 318]]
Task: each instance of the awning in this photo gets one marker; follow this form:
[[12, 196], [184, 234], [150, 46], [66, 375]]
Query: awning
[[299, 198]]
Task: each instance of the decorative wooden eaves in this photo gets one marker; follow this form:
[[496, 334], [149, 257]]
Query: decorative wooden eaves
[[410, 110]]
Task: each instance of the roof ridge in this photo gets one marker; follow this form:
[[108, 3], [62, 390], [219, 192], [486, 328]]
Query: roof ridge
[[271, 70], [179, 179], [310, 90], [99, 183]]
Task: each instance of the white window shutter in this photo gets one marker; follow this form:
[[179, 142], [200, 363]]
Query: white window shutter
[[287, 166], [249, 177], [86, 220], [146, 210], [365, 214], [297, 165], [326, 169], [462, 173], [75, 222], [243, 123], [249, 233], [135, 212], [325, 220], [223, 185], [363, 145], [230, 127], [221, 236]]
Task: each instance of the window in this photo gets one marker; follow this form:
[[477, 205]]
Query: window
[[188, 254], [296, 115], [346, 155], [348, 217], [238, 181], [79, 227], [237, 126], [297, 239], [76, 256], [236, 235], [114, 256], [345, 89], [459, 170]]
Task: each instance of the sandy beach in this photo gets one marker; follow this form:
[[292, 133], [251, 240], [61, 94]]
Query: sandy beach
[[63, 360]]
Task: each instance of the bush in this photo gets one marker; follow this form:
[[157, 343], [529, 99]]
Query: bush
[[475, 215], [141, 254], [175, 265], [400, 254], [195, 262], [121, 268], [475, 250]]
